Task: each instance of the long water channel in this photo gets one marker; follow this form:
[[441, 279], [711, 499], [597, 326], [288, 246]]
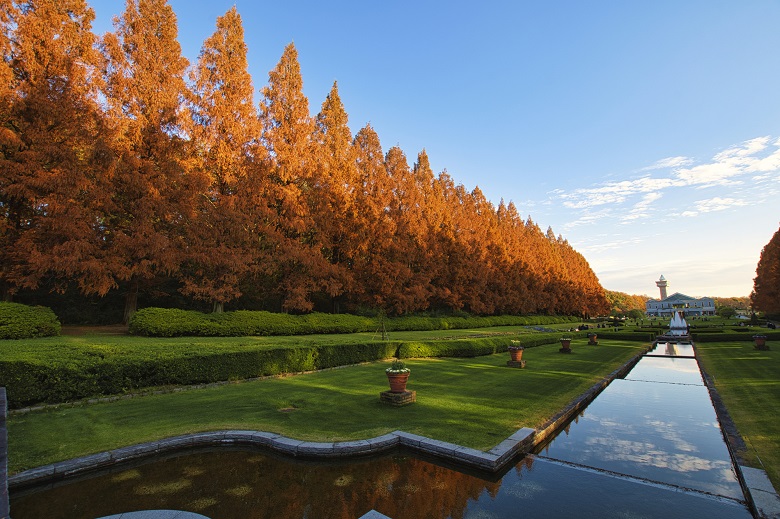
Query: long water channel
[[649, 446]]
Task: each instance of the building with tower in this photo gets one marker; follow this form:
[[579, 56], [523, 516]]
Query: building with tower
[[668, 306]]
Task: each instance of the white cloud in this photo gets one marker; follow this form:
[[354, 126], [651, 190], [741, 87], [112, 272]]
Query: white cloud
[[747, 164], [669, 162], [733, 162], [718, 204], [642, 209]]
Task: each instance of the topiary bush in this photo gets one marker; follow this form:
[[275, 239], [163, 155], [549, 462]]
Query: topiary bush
[[19, 321]]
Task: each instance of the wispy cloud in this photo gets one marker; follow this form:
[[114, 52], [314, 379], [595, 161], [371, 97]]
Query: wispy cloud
[[727, 166], [669, 162], [642, 209], [718, 204], [753, 165]]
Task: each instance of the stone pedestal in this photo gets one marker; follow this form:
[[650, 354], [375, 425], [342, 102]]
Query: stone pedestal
[[515, 363], [565, 350], [398, 399], [593, 342], [763, 347]]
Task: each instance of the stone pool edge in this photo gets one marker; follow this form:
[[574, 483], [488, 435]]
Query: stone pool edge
[[494, 460]]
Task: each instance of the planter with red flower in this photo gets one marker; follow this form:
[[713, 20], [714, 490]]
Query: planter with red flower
[[516, 355], [760, 342]]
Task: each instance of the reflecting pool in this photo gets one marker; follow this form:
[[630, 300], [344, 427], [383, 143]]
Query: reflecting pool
[[649, 446], [230, 484], [659, 430]]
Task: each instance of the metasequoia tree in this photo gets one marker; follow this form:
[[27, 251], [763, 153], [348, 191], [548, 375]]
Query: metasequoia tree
[[53, 157], [11, 206], [155, 187], [402, 279], [288, 135], [332, 197], [224, 244], [115, 175], [766, 284], [374, 192]]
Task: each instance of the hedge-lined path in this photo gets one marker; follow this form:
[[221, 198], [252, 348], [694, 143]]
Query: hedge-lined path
[[110, 329]]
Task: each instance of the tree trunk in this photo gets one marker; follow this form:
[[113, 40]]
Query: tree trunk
[[5, 294], [131, 302], [218, 307]]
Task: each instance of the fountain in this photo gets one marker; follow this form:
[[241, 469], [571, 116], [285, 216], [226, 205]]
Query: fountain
[[678, 330]]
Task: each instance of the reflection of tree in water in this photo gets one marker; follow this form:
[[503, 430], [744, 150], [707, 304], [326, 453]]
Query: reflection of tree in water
[[234, 484]]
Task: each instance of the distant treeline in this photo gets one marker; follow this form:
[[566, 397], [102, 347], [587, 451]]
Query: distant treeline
[[124, 169]]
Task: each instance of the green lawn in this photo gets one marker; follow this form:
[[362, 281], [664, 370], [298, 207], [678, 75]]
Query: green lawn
[[748, 380], [474, 401], [75, 346]]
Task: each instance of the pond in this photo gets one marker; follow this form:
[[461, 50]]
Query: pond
[[648, 446]]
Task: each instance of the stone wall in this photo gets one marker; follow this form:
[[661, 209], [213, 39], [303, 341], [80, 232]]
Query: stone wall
[[4, 508]]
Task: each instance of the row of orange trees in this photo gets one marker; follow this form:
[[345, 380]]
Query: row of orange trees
[[124, 167]]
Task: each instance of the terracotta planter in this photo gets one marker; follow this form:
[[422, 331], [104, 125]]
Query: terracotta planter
[[397, 381], [760, 342], [566, 344], [592, 338], [516, 352]]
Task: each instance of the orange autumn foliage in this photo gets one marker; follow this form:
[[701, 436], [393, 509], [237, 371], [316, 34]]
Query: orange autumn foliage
[[126, 169]]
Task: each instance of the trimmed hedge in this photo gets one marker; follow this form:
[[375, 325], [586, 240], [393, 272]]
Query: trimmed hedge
[[60, 373], [78, 375], [741, 336], [627, 335], [475, 347], [171, 322], [19, 321]]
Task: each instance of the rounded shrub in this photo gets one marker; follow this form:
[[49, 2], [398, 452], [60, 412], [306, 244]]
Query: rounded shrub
[[19, 321]]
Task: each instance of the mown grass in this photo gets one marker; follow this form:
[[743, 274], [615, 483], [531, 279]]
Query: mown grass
[[748, 381], [105, 344], [469, 401]]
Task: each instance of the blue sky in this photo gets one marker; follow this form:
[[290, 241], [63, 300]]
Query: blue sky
[[645, 133]]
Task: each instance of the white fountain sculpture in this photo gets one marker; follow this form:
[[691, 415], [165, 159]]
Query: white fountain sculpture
[[678, 327]]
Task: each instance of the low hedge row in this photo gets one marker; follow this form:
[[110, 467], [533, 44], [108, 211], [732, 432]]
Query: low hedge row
[[740, 336], [90, 375], [628, 335], [19, 321], [86, 374], [476, 347], [168, 322]]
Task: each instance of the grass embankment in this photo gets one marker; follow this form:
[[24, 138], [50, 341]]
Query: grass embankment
[[469, 401], [748, 381]]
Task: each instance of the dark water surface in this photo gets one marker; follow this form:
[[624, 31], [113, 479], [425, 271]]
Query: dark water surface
[[648, 447]]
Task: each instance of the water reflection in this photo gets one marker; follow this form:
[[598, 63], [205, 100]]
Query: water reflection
[[255, 484], [673, 349], [252, 484], [657, 424], [668, 370]]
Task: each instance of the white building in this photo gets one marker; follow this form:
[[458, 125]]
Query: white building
[[677, 302]]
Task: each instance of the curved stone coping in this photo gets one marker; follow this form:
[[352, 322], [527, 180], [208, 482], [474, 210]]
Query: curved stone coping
[[156, 514], [521, 442]]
